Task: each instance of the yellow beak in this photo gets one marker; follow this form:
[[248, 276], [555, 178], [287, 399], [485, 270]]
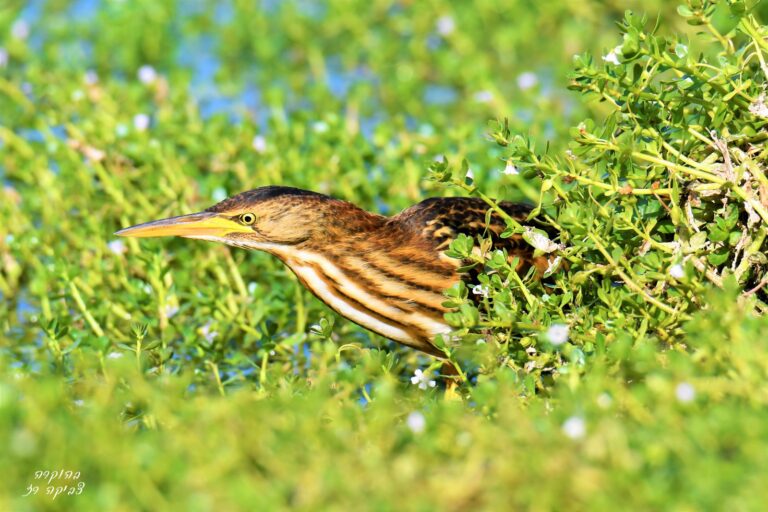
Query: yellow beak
[[196, 225]]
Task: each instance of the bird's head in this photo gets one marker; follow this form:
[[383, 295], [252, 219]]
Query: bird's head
[[265, 218]]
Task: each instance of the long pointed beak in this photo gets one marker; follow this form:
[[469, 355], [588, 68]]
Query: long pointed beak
[[196, 225]]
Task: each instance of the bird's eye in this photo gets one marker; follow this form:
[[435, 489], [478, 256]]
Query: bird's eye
[[247, 218]]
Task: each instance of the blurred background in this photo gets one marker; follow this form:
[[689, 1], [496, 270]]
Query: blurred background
[[178, 374]]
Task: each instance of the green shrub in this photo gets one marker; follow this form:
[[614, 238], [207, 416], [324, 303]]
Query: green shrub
[[664, 199]]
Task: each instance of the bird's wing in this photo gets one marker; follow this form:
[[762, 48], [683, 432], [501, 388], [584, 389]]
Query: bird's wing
[[441, 219]]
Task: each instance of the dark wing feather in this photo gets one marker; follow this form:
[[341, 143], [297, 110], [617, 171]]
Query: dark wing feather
[[441, 219]]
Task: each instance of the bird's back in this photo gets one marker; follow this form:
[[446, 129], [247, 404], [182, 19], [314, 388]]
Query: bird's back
[[439, 220]]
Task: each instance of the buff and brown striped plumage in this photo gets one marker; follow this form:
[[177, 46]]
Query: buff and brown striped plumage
[[387, 274]]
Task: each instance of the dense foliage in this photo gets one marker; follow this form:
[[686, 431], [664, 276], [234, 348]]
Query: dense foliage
[[654, 204], [179, 375]]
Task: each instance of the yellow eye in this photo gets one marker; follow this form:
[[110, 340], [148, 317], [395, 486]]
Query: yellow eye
[[247, 218]]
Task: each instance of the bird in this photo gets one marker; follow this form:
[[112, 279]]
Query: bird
[[386, 274]]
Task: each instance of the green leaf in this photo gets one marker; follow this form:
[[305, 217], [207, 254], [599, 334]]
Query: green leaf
[[719, 257]]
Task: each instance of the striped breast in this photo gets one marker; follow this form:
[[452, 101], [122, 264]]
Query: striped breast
[[391, 293]]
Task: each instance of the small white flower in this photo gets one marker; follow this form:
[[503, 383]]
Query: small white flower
[[117, 247], [613, 56], [470, 175], [445, 25], [553, 265], [416, 422], [170, 310], [483, 96], [557, 334], [3, 57], [114, 355], [604, 400], [575, 427], [141, 122], [91, 77], [77, 95], [259, 144], [685, 393], [121, 130], [510, 169], [422, 379], [93, 154], [480, 290], [20, 29], [527, 80], [758, 107], [78, 403], [320, 127], [252, 287], [207, 333], [219, 194], [439, 158], [147, 74], [677, 271], [539, 241], [681, 50]]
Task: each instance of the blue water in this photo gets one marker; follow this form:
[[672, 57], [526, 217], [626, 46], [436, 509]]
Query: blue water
[[83, 10], [436, 94], [199, 55], [362, 400], [223, 13], [25, 310]]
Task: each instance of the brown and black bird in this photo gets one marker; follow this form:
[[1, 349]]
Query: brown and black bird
[[387, 274]]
